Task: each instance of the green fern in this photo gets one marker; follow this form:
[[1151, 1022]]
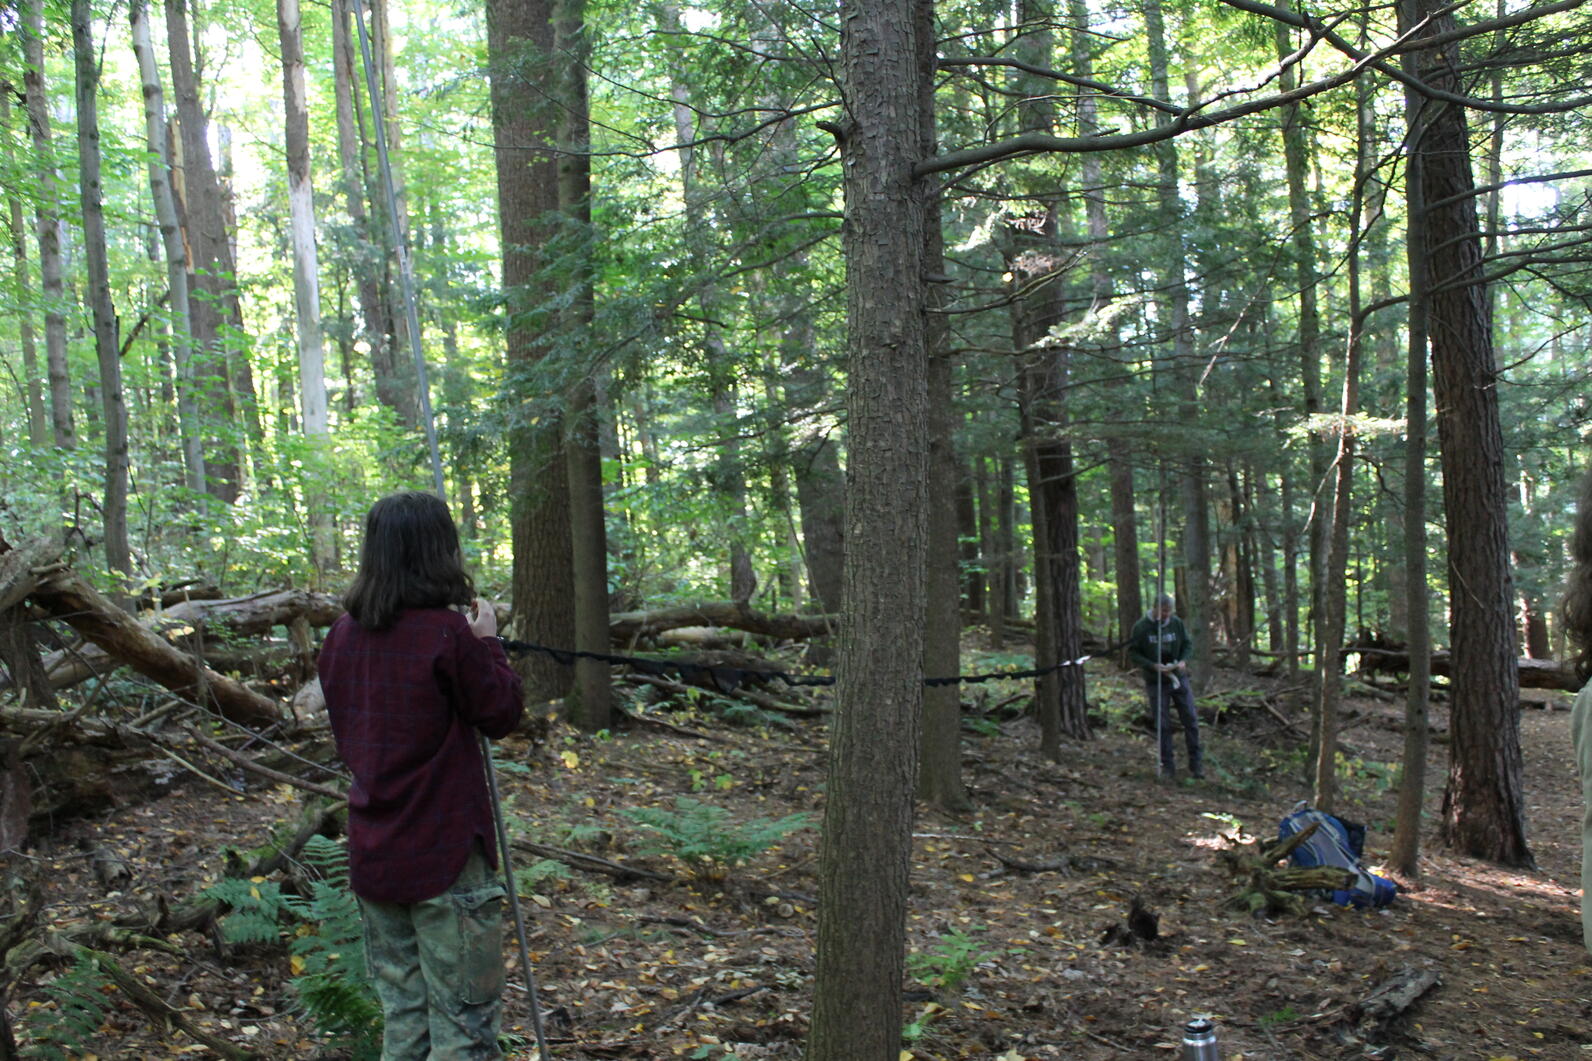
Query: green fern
[[326, 945], [703, 835], [62, 1031]]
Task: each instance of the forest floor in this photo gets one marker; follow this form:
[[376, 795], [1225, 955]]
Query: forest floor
[[1009, 964]]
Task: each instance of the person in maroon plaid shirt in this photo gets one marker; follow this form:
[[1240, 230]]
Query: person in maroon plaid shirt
[[409, 681]]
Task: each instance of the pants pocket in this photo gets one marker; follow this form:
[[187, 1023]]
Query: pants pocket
[[479, 910]]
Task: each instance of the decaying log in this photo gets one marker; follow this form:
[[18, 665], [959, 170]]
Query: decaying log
[[589, 863], [627, 627], [1393, 996], [19, 653], [67, 596]]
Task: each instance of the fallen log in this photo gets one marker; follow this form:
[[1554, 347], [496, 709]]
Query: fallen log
[[65, 595], [210, 628], [1534, 673], [628, 627]]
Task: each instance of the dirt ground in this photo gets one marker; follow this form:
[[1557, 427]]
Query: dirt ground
[[1009, 964]]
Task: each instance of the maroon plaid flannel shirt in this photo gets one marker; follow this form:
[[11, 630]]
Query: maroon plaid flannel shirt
[[405, 704]]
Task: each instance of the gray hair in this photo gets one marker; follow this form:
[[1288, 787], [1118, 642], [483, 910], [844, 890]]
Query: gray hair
[[1165, 601]]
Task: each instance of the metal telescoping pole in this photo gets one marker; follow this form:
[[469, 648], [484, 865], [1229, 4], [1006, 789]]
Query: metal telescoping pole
[[412, 315], [514, 901]]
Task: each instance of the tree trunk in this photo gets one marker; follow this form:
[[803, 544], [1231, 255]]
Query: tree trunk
[[940, 758], [1193, 601], [524, 82], [367, 259], [160, 186], [48, 212], [592, 696], [1483, 803], [306, 271], [866, 854], [210, 277], [33, 390], [1300, 213], [1334, 596], [113, 506]]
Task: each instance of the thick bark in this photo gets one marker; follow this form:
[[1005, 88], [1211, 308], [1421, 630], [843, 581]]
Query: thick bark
[[520, 43], [176, 255], [1483, 803], [306, 272], [592, 697], [866, 855], [33, 393], [48, 212], [210, 279], [113, 506]]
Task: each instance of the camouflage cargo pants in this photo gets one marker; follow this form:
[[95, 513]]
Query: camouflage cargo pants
[[438, 969]]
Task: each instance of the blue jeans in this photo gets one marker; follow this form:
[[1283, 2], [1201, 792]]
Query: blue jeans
[[1164, 701]]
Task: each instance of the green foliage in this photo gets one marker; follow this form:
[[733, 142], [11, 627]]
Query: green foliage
[[705, 838], [1276, 1017], [326, 944], [950, 961], [527, 878], [78, 1006]]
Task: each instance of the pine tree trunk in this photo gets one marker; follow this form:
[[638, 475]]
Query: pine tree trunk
[[113, 506], [867, 846], [520, 46], [592, 694], [1483, 803], [48, 213]]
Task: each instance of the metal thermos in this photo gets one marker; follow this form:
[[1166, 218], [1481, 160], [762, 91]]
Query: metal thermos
[[1199, 1041]]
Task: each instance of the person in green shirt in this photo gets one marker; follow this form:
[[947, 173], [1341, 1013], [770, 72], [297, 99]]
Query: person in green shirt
[[1160, 645], [1578, 624]]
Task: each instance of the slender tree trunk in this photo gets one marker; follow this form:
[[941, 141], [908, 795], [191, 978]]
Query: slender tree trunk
[[1124, 508], [940, 760], [1483, 803], [1296, 158], [367, 256], [160, 181], [1405, 857], [210, 275], [524, 82], [38, 419], [1194, 600], [48, 212], [306, 267], [113, 507], [1329, 676], [867, 844]]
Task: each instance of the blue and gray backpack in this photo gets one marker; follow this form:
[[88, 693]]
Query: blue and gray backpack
[[1336, 843]]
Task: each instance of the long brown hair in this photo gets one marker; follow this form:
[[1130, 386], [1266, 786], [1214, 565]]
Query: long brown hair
[[409, 559], [1577, 609]]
